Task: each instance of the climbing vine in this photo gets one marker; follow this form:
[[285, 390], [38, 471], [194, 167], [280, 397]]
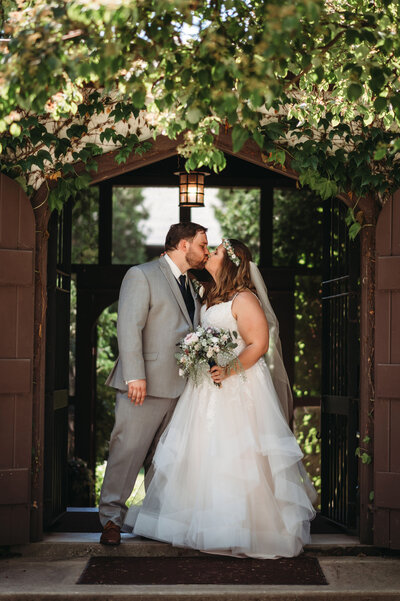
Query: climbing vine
[[314, 83]]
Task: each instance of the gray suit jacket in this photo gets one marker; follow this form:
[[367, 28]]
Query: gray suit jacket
[[152, 318]]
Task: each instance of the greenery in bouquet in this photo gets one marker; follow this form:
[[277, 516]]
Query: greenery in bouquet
[[203, 348]]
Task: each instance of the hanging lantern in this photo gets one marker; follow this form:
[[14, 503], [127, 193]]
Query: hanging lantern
[[191, 188]]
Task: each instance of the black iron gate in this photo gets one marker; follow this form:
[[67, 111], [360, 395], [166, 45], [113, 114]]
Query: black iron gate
[[57, 363], [340, 369]]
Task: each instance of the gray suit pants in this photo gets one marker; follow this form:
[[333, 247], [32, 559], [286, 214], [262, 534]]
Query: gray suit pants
[[133, 441]]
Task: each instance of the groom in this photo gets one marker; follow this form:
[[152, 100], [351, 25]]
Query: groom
[[157, 307]]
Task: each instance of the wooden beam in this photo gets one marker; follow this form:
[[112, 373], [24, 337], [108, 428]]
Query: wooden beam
[[105, 224], [162, 148], [266, 224]]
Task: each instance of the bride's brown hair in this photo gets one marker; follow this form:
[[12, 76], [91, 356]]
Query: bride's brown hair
[[231, 277]]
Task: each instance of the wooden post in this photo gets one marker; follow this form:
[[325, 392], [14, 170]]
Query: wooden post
[[367, 343], [42, 214], [184, 214], [266, 225], [105, 224]]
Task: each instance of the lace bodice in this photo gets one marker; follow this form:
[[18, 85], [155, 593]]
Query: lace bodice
[[220, 316]]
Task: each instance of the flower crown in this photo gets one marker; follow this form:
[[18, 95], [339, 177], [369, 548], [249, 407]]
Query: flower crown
[[230, 252]]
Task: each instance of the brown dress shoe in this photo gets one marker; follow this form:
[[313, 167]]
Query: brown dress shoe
[[111, 534]]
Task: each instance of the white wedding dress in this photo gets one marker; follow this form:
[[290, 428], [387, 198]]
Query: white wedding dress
[[228, 474]]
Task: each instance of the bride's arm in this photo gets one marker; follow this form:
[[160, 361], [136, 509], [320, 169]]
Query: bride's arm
[[253, 328]]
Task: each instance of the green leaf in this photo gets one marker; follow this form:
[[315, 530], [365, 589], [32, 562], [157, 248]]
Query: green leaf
[[259, 138], [319, 74], [139, 97], [204, 77], [218, 72], [185, 77], [349, 219], [277, 156], [55, 199], [194, 115], [380, 104], [256, 98], [230, 103], [239, 137], [354, 91], [354, 229], [44, 155], [76, 130], [36, 134], [365, 458], [380, 152], [82, 181], [377, 81], [22, 181], [351, 36]]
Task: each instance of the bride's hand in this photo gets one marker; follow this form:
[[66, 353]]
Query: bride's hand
[[218, 374]]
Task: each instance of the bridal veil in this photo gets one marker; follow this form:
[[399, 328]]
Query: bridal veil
[[273, 357]]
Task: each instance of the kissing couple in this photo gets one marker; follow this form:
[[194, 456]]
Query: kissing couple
[[224, 472]]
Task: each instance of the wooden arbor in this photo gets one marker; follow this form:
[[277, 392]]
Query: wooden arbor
[[136, 167], [162, 149]]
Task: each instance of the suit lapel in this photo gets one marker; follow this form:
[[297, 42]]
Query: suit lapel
[[165, 268]]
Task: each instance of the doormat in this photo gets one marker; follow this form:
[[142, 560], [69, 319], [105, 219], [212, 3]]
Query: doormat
[[301, 570]]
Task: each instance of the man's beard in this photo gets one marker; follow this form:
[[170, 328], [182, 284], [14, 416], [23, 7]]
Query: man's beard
[[194, 262]]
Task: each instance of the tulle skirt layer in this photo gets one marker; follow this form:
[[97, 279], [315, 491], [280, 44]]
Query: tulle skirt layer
[[228, 474]]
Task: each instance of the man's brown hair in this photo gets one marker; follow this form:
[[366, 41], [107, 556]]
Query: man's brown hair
[[182, 231]]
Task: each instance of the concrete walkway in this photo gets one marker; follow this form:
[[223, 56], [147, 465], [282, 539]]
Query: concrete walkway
[[50, 569]]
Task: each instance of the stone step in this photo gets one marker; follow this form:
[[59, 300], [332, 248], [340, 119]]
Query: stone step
[[349, 579], [49, 571], [206, 595], [69, 545]]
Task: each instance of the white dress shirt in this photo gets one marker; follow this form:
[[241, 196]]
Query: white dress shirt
[[176, 272]]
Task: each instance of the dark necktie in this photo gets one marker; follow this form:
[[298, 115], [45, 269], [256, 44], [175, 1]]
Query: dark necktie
[[187, 297]]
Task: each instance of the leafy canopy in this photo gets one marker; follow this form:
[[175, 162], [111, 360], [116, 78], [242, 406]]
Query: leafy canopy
[[314, 82]]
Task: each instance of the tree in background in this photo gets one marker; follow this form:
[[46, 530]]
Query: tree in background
[[297, 228], [129, 230], [297, 232], [85, 226], [239, 217], [129, 226], [107, 352]]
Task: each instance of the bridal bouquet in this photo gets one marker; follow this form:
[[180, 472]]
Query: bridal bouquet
[[204, 348]]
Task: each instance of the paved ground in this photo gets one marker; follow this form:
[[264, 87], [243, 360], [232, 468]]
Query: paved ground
[[49, 571]]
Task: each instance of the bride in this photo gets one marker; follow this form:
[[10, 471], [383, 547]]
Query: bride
[[228, 473]]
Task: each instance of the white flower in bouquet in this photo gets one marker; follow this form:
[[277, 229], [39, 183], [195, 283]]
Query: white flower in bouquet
[[202, 349]]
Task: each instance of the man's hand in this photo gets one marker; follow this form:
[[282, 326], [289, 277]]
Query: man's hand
[[137, 391]]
